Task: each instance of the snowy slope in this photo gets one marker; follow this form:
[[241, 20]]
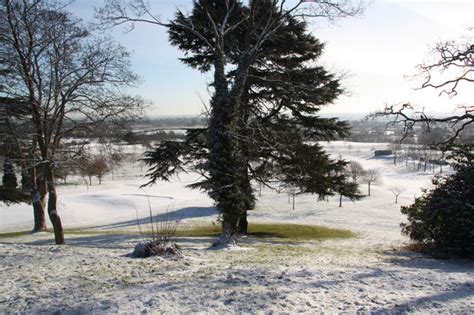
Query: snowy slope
[[367, 274]]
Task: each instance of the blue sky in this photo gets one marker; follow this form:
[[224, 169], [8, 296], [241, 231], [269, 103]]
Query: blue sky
[[378, 51]]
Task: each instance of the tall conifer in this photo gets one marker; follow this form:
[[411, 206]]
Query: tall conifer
[[264, 122]]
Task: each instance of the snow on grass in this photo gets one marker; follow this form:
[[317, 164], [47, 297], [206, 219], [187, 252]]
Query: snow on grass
[[369, 273]]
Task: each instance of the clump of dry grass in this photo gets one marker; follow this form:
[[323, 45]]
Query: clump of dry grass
[[163, 237]]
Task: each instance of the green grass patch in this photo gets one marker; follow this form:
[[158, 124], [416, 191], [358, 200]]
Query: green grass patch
[[287, 232], [200, 231], [291, 232], [14, 234], [81, 231]]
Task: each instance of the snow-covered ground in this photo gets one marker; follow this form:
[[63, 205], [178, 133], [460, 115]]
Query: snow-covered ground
[[368, 274]]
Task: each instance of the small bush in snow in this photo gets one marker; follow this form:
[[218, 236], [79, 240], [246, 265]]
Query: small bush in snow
[[443, 218], [164, 230], [156, 248]]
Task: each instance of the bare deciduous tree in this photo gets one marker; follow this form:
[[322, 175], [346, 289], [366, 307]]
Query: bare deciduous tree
[[452, 68], [355, 170], [69, 80], [370, 177], [93, 166], [396, 191]]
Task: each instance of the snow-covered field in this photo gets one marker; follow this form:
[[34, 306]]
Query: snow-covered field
[[92, 274]]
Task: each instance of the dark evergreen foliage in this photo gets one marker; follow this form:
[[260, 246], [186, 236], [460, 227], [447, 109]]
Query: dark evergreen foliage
[[9, 179], [9, 193], [443, 218]]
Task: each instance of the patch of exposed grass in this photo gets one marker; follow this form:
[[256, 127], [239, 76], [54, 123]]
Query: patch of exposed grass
[[97, 232], [287, 232], [200, 231], [290, 232], [14, 234]]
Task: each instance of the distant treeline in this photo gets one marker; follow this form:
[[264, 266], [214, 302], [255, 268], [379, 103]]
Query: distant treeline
[[363, 130], [173, 122], [144, 138]]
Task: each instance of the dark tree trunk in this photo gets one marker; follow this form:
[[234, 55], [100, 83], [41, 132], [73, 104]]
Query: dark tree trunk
[[52, 207], [38, 213], [249, 204], [243, 224], [38, 195], [340, 201], [369, 188]]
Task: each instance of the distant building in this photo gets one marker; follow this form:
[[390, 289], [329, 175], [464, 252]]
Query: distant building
[[382, 152]]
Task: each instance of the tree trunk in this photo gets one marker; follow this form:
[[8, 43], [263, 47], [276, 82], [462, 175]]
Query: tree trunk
[[369, 188], [229, 233], [226, 163], [243, 224], [52, 207], [38, 198], [38, 213], [249, 205], [340, 201]]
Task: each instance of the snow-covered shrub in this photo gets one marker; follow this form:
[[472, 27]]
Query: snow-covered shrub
[[443, 218]]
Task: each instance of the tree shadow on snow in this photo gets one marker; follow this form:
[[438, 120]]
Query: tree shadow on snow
[[413, 260], [428, 302], [105, 241], [119, 241], [180, 214]]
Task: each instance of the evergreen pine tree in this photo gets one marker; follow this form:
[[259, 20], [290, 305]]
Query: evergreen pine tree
[[268, 130]]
